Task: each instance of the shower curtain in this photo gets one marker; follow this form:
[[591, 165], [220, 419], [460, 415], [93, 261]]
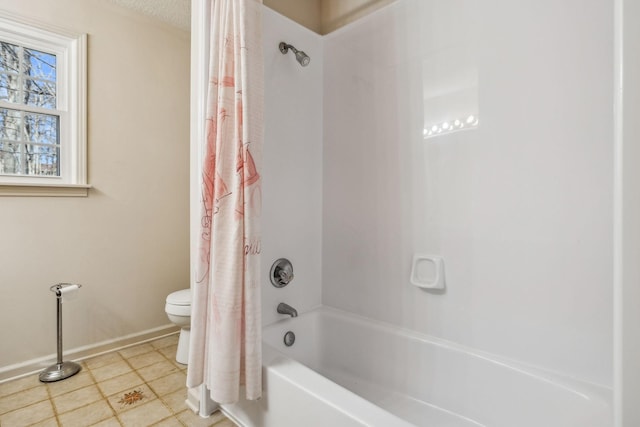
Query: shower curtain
[[225, 345]]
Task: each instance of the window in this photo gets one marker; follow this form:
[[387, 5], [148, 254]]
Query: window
[[42, 107]]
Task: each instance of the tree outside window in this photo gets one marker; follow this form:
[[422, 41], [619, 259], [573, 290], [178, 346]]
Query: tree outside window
[[29, 134]]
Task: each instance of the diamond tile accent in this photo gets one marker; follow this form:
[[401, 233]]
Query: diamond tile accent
[[132, 398]]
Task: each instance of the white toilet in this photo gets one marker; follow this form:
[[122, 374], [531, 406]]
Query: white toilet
[[178, 310]]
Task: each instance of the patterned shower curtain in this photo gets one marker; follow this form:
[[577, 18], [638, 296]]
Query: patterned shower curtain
[[225, 346]]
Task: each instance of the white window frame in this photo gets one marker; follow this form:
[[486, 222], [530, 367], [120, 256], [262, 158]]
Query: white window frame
[[70, 49]]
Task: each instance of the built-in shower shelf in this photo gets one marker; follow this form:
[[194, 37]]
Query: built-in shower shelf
[[427, 271]]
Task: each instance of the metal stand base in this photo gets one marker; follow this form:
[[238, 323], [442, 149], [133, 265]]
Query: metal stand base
[[59, 371]]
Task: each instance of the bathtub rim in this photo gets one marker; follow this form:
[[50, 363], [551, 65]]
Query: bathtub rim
[[583, 389]]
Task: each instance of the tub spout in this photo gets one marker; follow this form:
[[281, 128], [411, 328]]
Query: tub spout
[[287, 309]]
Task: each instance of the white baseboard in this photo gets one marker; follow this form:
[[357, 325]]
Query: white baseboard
[[22, 369]]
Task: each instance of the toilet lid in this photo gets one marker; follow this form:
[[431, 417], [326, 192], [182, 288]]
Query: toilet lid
[[182, 297]]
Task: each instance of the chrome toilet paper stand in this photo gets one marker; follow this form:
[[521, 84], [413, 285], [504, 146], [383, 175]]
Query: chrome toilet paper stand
[[60, 370]]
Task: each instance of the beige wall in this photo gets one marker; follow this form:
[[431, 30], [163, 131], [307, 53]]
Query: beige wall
[[338, 13], [127, 243], [324, 16], [304, 12]]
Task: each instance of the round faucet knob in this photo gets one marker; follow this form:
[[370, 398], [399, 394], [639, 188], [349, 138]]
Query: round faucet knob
[[285, 276]]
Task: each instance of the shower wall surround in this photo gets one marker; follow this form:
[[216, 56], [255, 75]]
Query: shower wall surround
[[627, 345], [520, 207], [292, 164]]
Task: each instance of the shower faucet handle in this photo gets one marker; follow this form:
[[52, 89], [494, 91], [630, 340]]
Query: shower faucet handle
[[281, 273], [285, 276]]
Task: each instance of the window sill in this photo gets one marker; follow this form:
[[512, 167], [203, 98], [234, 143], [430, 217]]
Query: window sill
[[44, 190]]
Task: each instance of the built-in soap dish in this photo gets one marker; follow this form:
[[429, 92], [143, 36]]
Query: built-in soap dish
[[427, 271]]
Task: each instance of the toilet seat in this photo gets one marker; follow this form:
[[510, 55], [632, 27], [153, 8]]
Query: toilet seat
[[179, 303], [178, 310], [182, 297]]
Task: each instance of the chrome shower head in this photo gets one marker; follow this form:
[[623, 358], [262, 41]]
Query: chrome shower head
[[301, 57]]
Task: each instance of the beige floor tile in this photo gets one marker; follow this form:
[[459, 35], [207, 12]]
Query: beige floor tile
[[157, 370], [169, 383], [131, 398], [181, 367], [110, 422], [189, 418], [169, 422], [136, 350], [225, 423], [22, 399], [49, 422], [120, 383], [21, 384], [169, 351], [80, 380], [176, 400], [145, 415], [106, 372], [103, 360], [87, 415], [146, 359], [166, 341], [28, 415], [79, 400], [76, 399]]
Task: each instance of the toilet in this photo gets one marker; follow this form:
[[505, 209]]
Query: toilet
[[178, 309]]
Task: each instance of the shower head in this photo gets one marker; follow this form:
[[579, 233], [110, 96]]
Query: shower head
[[301, 57]]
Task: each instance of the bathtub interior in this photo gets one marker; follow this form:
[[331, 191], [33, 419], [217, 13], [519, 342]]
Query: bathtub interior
[[430, 382]]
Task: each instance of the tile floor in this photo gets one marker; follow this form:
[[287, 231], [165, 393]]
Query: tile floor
[[138, 386]]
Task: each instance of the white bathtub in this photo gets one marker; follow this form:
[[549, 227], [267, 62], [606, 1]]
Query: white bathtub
[[345, 370]]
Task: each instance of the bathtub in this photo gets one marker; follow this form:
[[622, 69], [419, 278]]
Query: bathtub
[[345, 370]]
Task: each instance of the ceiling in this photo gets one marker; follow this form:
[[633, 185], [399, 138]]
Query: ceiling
[[173, 12]]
